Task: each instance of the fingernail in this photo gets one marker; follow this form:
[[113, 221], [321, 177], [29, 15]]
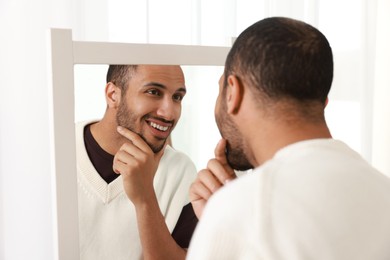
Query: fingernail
[[119, 128]]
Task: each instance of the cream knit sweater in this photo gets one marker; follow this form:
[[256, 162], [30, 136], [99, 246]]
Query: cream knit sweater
[[315, 199], [107, 220]]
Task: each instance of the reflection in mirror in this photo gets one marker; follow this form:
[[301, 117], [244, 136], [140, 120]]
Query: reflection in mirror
[[64, 55], [196, 133], [149, 104]]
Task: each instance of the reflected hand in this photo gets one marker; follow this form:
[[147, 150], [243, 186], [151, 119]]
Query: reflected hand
[[211, 179], [137, 164]]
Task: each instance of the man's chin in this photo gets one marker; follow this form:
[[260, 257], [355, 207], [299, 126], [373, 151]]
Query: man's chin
[[157, 146], [238, 161], [240, 167]]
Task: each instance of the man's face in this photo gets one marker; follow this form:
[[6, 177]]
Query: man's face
[[235, 149], [151, 105]]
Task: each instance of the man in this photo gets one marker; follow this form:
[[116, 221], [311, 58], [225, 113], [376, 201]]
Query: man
[[132, 216], [309, 196]]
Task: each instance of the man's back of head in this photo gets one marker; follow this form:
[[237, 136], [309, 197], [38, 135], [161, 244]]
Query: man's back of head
[[280, 71], [283, 60]]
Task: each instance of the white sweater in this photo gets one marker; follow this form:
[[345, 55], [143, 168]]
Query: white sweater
[[107, 220], [315, 199]]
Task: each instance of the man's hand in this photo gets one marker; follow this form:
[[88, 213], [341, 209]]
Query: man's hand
[[137, 164], [209, 180]]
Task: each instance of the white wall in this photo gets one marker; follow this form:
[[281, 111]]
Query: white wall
[[24, 143], [381, 123], [27, 227]]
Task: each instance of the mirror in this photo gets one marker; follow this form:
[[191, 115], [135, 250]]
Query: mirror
[[64, 55], [196, 133]]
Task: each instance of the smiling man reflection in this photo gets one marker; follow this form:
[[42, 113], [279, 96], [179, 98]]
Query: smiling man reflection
[[133, 187]]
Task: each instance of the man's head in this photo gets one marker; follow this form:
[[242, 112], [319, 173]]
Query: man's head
[[147, 99], [286, 65]]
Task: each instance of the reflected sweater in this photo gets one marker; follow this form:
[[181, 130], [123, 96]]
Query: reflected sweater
[[107, 219]]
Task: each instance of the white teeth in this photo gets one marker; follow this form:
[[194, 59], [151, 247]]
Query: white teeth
[[159, 127]]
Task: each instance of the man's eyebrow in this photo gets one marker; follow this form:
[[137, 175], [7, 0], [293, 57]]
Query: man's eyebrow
[[155, 84], [159, 85]]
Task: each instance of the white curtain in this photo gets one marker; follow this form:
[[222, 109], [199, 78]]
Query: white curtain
[[381, 89], [357, 30], [26, 195]]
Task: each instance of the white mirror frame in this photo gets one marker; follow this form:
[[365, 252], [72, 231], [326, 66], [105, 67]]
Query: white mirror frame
[[64, 53]]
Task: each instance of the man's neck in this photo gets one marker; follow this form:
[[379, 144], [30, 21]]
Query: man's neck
[[106, 135], [270, 139]]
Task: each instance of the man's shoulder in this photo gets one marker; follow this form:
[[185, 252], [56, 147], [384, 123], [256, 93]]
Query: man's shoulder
[[175, 170], [173, 155], [82, 124], [239, 190], [178, 162]]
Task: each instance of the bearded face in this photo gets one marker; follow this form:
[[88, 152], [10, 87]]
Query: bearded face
[[235, 152], [150, 106], [128, 118]]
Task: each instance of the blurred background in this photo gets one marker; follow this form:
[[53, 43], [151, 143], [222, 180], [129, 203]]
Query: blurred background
[[358, 112]]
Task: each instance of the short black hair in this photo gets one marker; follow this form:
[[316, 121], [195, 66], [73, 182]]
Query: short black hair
[[120, 75], [283, 58]]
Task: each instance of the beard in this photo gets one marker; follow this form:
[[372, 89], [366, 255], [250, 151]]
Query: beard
[[234, 151], [127, 118]]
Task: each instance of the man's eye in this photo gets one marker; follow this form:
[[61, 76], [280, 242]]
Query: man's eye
[[178, 97], [154, 92]]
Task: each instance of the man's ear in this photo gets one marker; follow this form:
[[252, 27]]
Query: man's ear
[[234, 94], [113, 95], [326, 102]]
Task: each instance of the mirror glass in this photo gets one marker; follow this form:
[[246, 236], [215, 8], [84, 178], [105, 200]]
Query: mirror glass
[[196, 133]]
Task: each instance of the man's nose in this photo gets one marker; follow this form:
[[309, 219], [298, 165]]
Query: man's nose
[[167, 109]]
